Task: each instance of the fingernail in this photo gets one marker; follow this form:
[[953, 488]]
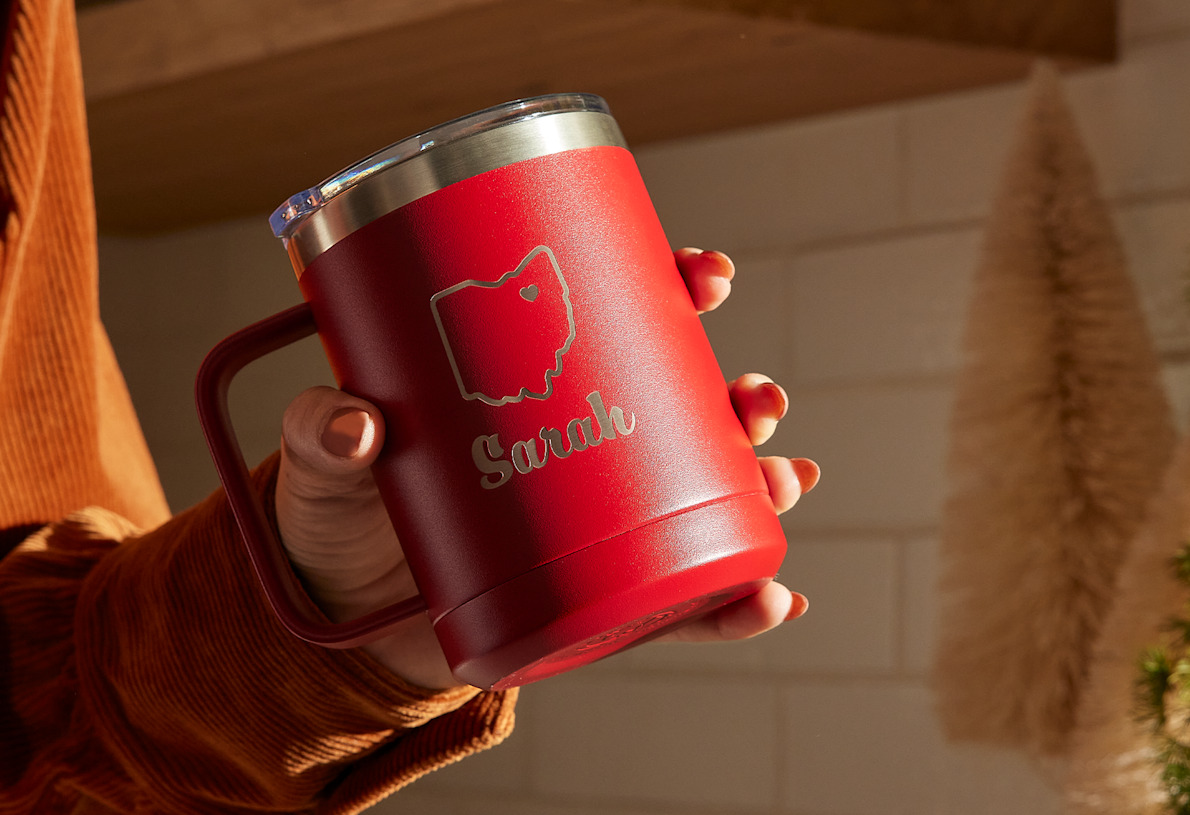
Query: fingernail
[[807, 473], [723, 267], [779, 398], [346, 432], [799, 607]]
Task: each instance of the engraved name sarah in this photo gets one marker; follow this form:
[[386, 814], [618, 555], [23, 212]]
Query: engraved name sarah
[[533, 454]]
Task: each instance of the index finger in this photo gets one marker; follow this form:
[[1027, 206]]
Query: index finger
[[708, 276]]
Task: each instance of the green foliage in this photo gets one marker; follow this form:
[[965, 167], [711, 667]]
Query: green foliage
[[1162, 697]]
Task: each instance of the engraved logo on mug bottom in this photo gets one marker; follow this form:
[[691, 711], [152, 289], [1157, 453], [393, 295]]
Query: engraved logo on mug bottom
[[642, 627], [525, 456]]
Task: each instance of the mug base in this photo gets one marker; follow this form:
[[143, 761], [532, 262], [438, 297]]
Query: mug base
[[612, 595]]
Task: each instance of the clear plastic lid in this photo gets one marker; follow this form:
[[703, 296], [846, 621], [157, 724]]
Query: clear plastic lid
[[287, 216]]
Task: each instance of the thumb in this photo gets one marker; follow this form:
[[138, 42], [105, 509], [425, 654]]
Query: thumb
[[327, 503], [327, 437]]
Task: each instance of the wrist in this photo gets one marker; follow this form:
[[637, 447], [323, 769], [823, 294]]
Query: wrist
[[411, 652]]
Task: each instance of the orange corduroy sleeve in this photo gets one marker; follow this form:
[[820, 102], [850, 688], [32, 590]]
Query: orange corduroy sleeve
[[150, 677], [68, 433], [142, 672]]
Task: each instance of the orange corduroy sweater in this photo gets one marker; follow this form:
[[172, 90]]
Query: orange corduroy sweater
[[140, 671]]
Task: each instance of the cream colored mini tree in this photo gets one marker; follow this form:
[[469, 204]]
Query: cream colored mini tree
[[1060, 435]]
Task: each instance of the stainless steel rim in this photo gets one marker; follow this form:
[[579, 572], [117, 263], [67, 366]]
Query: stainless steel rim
[[431, 170]]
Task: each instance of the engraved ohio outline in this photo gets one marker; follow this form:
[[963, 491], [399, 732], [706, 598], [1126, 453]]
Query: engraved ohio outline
[[524, 393]]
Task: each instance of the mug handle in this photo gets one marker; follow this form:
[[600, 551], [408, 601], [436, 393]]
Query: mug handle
[[293, 607]]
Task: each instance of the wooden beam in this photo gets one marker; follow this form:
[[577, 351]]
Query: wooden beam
[[1082, 29], [132, 45], [194, 118]]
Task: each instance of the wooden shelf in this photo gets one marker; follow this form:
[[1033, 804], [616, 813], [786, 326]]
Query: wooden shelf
[[212, 110]]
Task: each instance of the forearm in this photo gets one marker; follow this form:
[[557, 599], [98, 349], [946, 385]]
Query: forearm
[[190, 690]]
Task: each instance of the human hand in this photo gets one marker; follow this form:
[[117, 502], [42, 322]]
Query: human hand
[[339, 538], [760, 403]]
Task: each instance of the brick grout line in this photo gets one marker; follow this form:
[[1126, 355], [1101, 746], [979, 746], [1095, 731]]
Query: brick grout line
[[780, 712], [846, 534], [901, 135], [793, 249], [1154, 37], [760, 676], [900, 604], [587, 803], [883, 382], [1170, 354], [850, 240]]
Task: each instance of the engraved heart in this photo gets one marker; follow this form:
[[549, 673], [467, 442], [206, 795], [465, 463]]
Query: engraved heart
[[530, 292]]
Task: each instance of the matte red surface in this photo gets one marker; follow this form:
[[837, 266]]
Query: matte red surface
[[479, 346]]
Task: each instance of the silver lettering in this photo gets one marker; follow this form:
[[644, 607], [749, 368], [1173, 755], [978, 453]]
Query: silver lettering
[[553, 437], [583, 430], [613, 422], [525, 456], [575, 436], [482, 451], [618, 420], [607, 431]]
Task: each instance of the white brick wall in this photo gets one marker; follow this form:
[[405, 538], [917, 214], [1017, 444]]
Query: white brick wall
[[1157, 244], [855, 237], [899, 302], [857, 748], [955, 146], [1147, 19], [779, 186]]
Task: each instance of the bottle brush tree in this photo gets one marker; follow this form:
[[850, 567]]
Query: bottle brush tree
[[1060, 434]]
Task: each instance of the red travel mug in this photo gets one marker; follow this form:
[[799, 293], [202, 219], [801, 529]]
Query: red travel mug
[[563, 466]]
